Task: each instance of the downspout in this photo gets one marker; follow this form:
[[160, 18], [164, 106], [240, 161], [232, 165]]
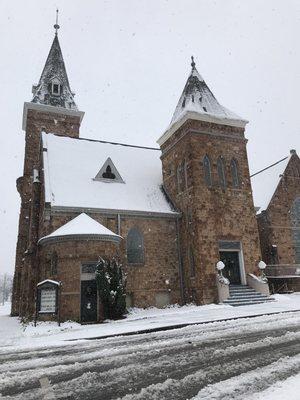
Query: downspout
[[119, 224], [180, 267]]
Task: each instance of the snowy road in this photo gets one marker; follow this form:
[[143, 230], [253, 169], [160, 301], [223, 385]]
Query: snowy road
[[222, 360]]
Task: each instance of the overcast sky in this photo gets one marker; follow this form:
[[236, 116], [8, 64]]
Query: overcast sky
[[128, 61]]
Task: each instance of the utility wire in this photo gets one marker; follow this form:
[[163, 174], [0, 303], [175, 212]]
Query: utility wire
[[270, 166]]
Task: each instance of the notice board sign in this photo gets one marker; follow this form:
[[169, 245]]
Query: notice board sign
[[48, 301], [47, 297]]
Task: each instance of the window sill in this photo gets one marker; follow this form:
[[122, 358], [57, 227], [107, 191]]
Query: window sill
[[135, 264]]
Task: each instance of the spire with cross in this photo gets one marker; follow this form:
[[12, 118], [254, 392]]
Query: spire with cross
[[193, 64], [53, 87], [56, 26]]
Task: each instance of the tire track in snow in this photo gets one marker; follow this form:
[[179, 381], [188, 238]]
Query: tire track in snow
[[10, 361], [153, 374], [258, 380], [70, 366], [192, 348], [127, 375]]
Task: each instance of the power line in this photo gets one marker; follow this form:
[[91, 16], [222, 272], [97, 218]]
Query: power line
[[270, 166]]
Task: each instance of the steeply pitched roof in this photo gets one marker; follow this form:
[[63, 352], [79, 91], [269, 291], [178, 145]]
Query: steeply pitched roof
[[54, 69], [70, 166], [197, 97], [80, 227], [198, 102], [264, 184]]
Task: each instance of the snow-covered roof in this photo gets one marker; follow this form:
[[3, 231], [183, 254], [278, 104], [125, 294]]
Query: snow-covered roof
[[54, 71], [70, 166], [265, 183], [80, 227], [197, 97], [198, 102]]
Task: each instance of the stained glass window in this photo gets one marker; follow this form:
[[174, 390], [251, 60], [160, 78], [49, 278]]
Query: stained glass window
[[207, 170], [135, 247]]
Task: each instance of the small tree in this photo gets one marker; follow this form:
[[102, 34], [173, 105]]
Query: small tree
[[6, 283], [111, 284]]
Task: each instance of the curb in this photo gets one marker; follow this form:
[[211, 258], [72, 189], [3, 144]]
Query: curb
[[178, 326]]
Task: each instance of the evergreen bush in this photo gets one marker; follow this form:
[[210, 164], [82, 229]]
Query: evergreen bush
[[111, 285]]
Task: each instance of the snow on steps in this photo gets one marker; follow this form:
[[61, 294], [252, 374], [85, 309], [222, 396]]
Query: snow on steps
[[243, 295]]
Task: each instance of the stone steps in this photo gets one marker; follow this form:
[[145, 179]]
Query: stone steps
[[243, 295]]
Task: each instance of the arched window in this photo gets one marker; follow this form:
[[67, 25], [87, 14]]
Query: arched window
[[178, 177], [234, 173], [185, 175], [295, 217], [296, 171], [54, 260], [56, 87], [191, 261], [181, 182], [51, 264], [135, 247], [221, 172], [207, 170]]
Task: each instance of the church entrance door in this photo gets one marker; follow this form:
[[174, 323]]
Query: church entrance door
[[232, 266], [88, 301]]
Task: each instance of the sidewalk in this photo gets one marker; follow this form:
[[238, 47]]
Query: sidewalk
[[12, 333]]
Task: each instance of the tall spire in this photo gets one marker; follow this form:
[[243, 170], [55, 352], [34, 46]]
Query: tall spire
[[56, 26], [53, 87], [193, 64], [197, 98]]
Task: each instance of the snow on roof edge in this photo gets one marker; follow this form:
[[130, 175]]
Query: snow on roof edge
[[50, 281], [199, 117]]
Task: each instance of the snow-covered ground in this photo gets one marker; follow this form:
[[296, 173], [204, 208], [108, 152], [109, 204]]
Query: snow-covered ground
[[287, 389], [241, 359], [13, 333]]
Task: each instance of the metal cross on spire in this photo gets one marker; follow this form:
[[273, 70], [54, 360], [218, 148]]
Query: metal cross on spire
[[193, 64], [56, 26]]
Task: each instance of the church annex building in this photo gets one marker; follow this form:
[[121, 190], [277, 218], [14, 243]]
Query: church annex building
[[168, 213]]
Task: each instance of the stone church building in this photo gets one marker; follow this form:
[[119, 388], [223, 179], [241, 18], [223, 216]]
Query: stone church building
[[169, 213], [278, 195]]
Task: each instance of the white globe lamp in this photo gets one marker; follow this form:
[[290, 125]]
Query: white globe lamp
[[262, 265], [220, 265]]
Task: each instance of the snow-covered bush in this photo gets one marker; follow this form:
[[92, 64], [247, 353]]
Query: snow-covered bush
[[111, 285]]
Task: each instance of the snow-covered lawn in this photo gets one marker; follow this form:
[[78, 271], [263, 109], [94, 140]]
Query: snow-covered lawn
[[288, 389], [13, 333]]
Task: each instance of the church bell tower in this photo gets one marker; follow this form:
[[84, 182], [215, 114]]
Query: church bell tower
[[206, 175], [51, 110]]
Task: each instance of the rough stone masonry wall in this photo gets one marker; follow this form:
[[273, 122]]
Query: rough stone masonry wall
[[71, 255], [275, 225], [210, 214], [25, 268], [146, 282]]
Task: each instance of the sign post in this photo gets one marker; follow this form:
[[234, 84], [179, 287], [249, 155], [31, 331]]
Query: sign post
[[47, 299]]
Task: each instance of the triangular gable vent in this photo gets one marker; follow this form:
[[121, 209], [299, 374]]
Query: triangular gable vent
[[108, 173]]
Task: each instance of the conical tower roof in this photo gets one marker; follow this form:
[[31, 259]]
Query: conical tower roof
[[198, 102], [79, 228], [54, 73]]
